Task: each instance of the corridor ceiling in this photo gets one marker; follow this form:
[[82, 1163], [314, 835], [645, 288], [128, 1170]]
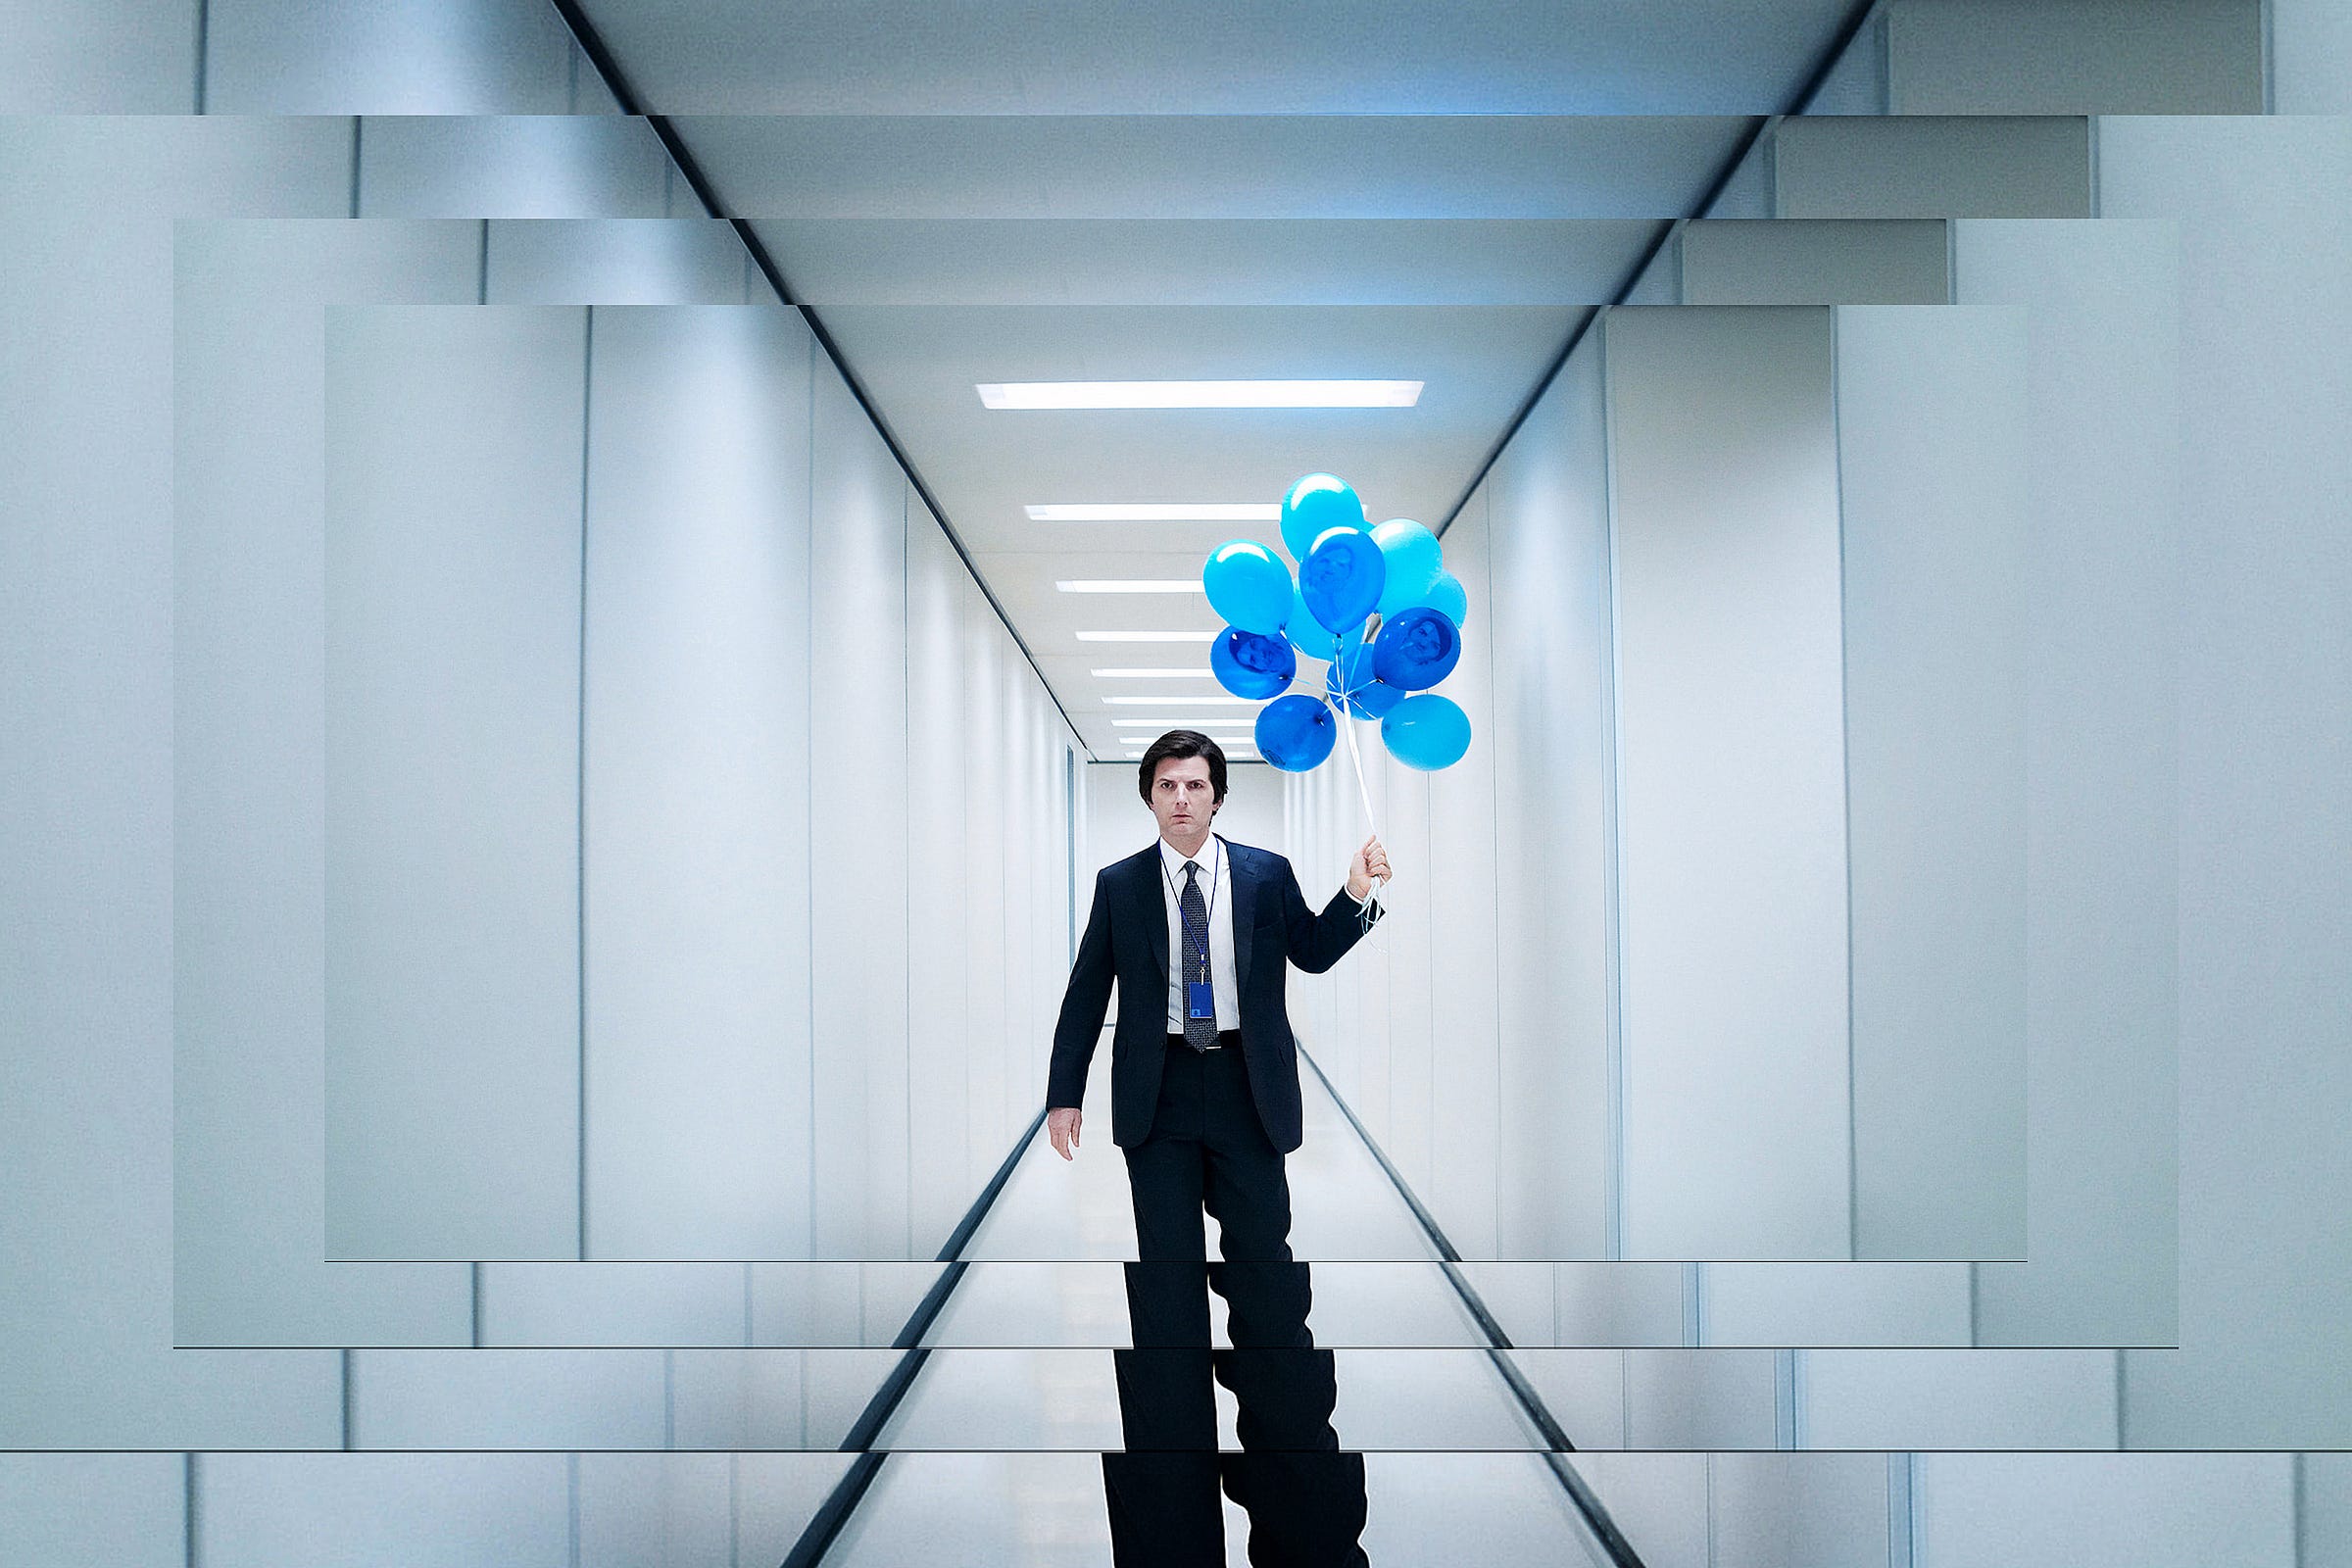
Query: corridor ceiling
[[1434, 190]]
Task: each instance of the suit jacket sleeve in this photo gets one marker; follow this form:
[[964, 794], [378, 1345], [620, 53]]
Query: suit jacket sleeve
[[1083, 1005], [1320, 941]]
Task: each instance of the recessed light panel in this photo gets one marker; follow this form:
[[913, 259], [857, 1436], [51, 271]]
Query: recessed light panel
[[1151, 674], [1159, 512], [1130, 585], [1199, 394], [1186, 700], [1147, 636]]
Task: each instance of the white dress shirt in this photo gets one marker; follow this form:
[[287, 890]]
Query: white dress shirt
[[1216, 891]]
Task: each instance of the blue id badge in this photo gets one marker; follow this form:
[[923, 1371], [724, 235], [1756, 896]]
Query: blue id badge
[[1199, 1003]]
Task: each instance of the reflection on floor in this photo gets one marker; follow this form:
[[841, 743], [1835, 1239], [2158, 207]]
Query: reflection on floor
[[1044, 1510], [1021, 1369]]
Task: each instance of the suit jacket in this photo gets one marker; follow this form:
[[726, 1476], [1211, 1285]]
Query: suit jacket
[[1126, 941]]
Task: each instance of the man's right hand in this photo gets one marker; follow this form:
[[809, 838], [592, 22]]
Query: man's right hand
[[1062, 1126]]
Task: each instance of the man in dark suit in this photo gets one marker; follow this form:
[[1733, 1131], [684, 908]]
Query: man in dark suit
[[1198, 935]]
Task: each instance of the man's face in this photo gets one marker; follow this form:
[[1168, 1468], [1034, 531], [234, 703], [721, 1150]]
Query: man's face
[[1181, 797]]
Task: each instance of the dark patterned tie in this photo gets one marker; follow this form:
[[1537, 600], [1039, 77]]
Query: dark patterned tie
[[1198, 1033]]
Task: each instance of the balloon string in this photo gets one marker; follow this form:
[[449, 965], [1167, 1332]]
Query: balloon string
[[1362, 790], [1363, 793]]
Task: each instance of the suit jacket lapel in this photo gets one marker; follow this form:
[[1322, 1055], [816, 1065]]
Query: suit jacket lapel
[[1244, 902], [1156, 909]]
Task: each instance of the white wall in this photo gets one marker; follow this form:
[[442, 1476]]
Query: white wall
[[1465, 1067], [685, 909], [249, 673], [2102, 415], [86, 830], [858, 801], [235, 975], [2310, 58], [2021, 1510], [698, 834], [2262, 811], [453, 781], [1934, 477], [1731, 800], [1552, 738]]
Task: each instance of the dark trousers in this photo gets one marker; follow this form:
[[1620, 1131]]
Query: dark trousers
[[1208, 1151]]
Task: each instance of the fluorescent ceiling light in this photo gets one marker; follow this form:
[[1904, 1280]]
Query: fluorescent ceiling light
[[1161, 511], [1147, 636], [1151, 674], [1225, 742], [1199, 394], [1187, 700], [1237, 739], [1130, 585], [1227, 722]]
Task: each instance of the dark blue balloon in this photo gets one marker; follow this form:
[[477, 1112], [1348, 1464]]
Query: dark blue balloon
[[1368, 699], [1251, 665], [1342, 577], [1417, 649], [1296, 732]]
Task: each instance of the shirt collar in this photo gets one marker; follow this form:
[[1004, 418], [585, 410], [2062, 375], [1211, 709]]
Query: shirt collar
[[1211, 859]]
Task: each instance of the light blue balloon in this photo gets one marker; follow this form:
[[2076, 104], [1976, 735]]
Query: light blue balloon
[[1445, 597], [1251, 665], [1249, 585], [1426, 731], [1413, 558], [1296, 732], [1341, 576], [1316, 504]]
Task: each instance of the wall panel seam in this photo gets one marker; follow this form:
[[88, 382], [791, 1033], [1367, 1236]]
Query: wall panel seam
[[580, 781], [2298, 1503], [1845, 785], [1613, 838], [808, 842], [204, 29], [187, 1509], [2269, 59], [2122, 1427]]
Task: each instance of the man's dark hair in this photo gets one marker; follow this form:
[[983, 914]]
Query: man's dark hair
[[1182, 743]]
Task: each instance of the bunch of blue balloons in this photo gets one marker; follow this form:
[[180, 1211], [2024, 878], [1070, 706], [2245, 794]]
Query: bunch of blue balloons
[[1348, 571]]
